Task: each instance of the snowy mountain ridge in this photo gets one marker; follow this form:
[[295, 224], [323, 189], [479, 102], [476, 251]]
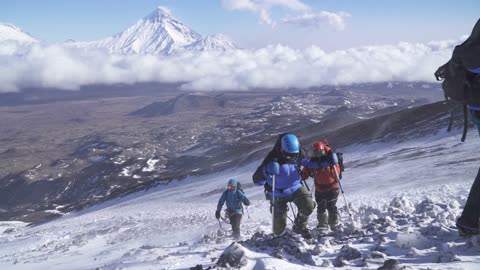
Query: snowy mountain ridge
[[215, 42], [159, 33], [10, 32]]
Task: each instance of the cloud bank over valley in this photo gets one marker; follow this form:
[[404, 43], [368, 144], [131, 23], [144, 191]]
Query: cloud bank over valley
[[276, 66]]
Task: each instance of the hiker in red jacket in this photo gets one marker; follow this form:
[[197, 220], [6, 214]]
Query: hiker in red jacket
[[323, 167]]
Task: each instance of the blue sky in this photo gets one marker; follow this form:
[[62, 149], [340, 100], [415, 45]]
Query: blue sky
[[369, 22]]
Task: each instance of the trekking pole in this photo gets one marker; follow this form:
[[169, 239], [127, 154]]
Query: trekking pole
[[306, 185], [293, 210], [343, 194], [220, 223], [248, 213], [273, 203]]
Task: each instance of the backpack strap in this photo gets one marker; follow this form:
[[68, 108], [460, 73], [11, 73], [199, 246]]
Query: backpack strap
[[465, 122]]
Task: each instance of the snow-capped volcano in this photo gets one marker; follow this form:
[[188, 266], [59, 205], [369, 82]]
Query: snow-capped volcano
[[11, 32], [158, 33]]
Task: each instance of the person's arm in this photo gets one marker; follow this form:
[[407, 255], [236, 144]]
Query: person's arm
[[221, 201], [332, 158], [259, 177], [305, 173], [244, 198]]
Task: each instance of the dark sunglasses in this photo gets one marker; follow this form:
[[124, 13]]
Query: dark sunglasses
[[290, 156]]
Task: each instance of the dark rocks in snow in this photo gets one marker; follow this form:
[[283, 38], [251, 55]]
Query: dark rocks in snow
[[281, 246], [382, 224], [200, 267], [390, 264], [402, 222], [374, 257], [197, 267], [346, 253], [232, 256]]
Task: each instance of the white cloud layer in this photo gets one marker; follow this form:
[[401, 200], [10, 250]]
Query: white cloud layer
[[335, 20], [271, 67], [263, 7]]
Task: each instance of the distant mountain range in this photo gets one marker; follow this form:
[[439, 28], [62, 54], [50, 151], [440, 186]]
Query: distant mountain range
[[157, 33]]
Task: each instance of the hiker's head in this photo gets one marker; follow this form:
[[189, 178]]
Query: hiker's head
[[318, 149], [475, 112], [290, 146], [232, 184]]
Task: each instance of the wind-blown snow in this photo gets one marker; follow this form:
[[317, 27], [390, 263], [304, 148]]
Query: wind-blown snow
[[406, 198], [271, 67]]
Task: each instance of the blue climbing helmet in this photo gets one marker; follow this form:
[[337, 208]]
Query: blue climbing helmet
[[232, 184], [290, 144]]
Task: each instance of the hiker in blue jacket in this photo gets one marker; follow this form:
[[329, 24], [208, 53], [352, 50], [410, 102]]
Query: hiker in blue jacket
[[284, 164], [235, 198]]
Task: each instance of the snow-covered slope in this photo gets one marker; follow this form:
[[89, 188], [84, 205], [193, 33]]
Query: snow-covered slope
[[407, 216], [158, 33], [10, 32], [216, 42]]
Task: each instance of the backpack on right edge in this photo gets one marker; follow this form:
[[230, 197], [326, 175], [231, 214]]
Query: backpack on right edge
[[459, 84]]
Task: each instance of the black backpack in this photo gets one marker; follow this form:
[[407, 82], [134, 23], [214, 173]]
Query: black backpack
[[340, 161], [459, 84], [239, 187]]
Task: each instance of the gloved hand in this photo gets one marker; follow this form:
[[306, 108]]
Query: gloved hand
[[217, 214], [332, 157], [273, 168], [261, 183]]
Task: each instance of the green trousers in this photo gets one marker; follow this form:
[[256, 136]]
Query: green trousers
[[302, 199]]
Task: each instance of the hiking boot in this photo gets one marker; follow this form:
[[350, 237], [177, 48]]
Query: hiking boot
[[322, 219], [322, 227], [333, 220], [304, 231], [464, 230]]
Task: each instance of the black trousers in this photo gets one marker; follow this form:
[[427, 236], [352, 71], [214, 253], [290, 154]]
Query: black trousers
[[471, 212], [235, 220], [327, 201]]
